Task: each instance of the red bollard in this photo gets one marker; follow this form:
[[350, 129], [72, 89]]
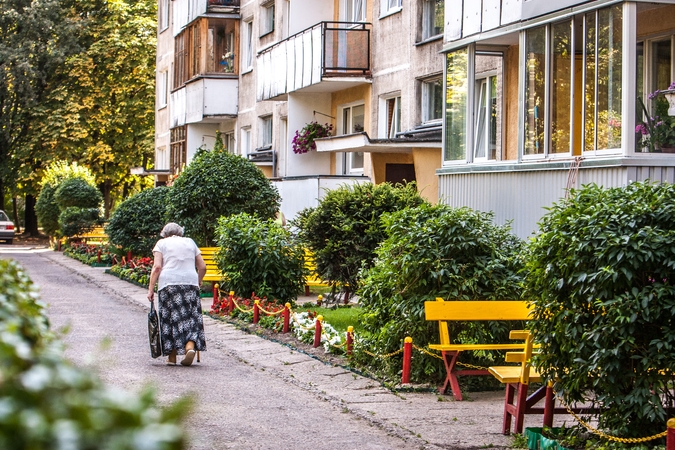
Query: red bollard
[[407, 357], [670, 435], [287, 317], [215, 296], [350, 340], [129, 255], [256, 312], [99, 256], [549, 405], [59, 245], [317, 331], [230, 303]]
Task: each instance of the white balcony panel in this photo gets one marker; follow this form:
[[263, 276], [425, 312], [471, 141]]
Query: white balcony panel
[[260, 79], [185, 11], [511, 11], [290, 66], [317, 52], [210, 97], [453, 20], [267, 68], [491, 14], [278, 70], [178, 107], [307, 59], [472, 17], [297, 44]]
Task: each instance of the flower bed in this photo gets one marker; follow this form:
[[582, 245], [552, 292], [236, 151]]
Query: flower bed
[[89, 254], [137, 270]]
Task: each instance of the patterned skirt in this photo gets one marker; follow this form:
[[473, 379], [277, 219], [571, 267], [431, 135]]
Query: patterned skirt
[[180, 319]]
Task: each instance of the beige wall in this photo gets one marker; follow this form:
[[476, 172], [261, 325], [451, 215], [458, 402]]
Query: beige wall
[[656, 20], [427, 160], [380, 161]]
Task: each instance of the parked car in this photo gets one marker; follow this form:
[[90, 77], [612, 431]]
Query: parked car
[[6, 228]]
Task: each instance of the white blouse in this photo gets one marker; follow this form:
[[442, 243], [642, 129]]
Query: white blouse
[[178, 261]]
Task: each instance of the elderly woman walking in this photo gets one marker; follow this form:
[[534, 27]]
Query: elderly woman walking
[[179, 269]]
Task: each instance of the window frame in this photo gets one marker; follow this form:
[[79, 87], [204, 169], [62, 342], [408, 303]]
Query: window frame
[[266, 135], [428, 20], [162, 89], [427, 101], [349, 11], [245, 141], [267, 17], [247, 47], [348, 157], [163, 12], [391, 116], [389, 7]]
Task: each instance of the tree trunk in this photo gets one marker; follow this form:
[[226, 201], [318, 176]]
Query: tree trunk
[[30, 219], [2, 194], [17, 225], [107, 199]]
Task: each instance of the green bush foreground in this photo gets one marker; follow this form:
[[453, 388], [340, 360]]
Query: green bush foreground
[[47, 403]]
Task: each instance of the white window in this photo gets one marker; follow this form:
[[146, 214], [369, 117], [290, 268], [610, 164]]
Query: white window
[[229, 142], [245, 147], [390, 6], [393, 110], [486, 118], [355, 10], [353, 121], [266, 131], [247, 46], [163, 15], [432, 18], [432, 100], [286, 27], [267, 19], [162, 86]]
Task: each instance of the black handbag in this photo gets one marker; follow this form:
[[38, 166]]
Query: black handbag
[[153, 332]]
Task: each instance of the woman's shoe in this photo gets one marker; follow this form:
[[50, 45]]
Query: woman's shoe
[[189, 357], [170, 363]]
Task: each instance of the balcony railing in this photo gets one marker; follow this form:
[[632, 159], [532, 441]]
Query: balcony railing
[[328, 49]]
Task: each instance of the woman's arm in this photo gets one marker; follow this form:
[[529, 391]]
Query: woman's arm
[[201, 267], [154, 274]]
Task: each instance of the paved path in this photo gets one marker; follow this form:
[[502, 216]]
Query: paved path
[[251, 393]]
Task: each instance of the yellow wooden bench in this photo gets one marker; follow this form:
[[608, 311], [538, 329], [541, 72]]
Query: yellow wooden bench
[[313, 279], [96, 234], [465, 311], [213, 274]]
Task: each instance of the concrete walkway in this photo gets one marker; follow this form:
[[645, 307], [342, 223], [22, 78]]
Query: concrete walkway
[[423, 420]]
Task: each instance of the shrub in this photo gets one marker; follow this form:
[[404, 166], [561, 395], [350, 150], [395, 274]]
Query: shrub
[[219, 184], [344, 230], [77, 192], [48, 403], [47, 210], [600, 276], [74, 220], [136, 223], [259, 256], [437, 251]]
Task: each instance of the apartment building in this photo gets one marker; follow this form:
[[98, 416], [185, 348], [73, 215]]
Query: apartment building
[[257, 71]]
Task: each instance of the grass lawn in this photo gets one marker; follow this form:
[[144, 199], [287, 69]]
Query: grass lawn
[[340, 318]]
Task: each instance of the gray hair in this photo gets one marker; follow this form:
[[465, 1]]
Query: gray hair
[[171, 229]]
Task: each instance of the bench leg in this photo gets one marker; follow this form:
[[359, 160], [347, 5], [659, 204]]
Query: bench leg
[[450, 360], [508, 403], [515, 409], [306, 291], [549, 406]]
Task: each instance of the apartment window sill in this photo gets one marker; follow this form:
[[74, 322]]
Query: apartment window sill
[[429, 39], [391, 12]]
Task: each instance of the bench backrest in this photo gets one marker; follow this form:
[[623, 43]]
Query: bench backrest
[[469, 310]]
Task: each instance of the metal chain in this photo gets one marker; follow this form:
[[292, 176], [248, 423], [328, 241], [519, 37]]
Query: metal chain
[[269, 313], [297, 323], [239, 308], [434, 355]]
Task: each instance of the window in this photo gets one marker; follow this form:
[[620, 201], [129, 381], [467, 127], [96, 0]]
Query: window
[[228, 140], [456, 92], [266, 131], [163, 15], [486, 110], [433, 13], [393, 108], [353, 122], [267, 19], [220, 47], [180, 62], [247, 46], [178, 157], [602, 79], [245, 147], [162, 86], [390, 6], [355, 10], [548, 99], [432, 100]]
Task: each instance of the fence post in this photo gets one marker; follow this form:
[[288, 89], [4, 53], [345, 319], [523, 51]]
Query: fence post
[[319, 300], [230, 305], [407, 356], [215, 296], [317, 331], [98, 259], [350, 340], [129, 255], [287, 317], [256, 311], [549, 405], [670, 436]]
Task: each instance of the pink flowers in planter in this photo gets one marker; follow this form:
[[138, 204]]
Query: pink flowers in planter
[[303, 141]]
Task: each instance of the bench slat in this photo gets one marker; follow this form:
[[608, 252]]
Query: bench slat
[[511, 374], [470, 347], [476, 310]]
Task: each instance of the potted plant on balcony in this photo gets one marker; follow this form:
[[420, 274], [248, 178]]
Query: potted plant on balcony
[[657, 132], [303, 141]]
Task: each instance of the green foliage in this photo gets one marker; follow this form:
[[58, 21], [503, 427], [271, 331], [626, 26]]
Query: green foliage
[[259, 256], [600, 276], [59, 171], [48, 403], [77, 192], [74, 220], [136, 223], [437, 251], [219, 184], [344, 230], [47, 210]]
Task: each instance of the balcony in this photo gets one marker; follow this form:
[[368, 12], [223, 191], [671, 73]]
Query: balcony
[[204, 99], [186, 11], [328, 57]]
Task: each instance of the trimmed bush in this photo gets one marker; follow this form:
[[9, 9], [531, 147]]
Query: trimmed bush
[[136, 223], [429, 252], [261, 257], [77, 192], [219, 184], [74, 220], [601, 276], [48, 403], [344, 230], [47, 210]]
